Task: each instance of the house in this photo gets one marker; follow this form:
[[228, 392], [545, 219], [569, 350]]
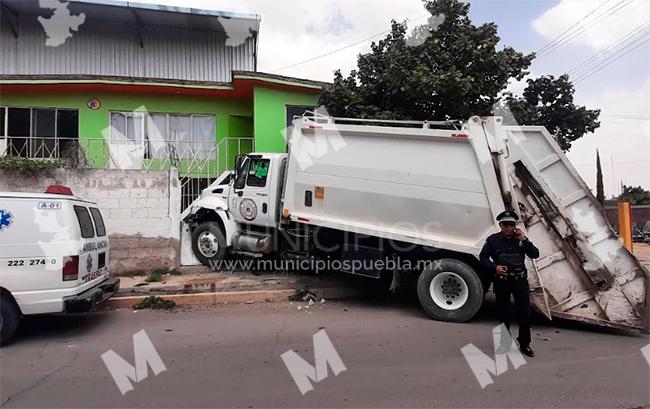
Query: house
[[130, 93], [126, 85]]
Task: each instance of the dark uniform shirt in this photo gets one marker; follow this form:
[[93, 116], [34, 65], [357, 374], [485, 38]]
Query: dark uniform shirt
[[502, 250]]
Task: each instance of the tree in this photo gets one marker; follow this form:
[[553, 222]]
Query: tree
[[600, 191], [549, 102], [453, 69], [454, 72], [635, 195]]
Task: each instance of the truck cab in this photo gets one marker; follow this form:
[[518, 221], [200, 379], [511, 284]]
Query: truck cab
[[256, 189], [237, 213]]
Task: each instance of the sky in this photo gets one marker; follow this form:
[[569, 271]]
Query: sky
[[607, 43]]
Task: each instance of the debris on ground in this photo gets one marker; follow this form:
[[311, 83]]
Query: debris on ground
[[158, 274], [155, 303], [303, 294]]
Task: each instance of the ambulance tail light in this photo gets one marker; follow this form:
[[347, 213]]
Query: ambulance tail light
[[59, 190], [70, 268]]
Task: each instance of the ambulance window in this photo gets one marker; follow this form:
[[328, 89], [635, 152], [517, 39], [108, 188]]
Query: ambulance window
[[99, 221], [85, 223]]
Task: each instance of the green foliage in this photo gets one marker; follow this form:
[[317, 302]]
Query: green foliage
[[453, 72], [155, 303], [635, 195], [453, 69], [28, 165], [548, 101]]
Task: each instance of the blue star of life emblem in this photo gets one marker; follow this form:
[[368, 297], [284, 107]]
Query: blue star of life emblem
[[5, 219], [89, 264]]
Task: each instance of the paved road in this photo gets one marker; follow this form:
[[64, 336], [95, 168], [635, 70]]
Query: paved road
[[229, 356]]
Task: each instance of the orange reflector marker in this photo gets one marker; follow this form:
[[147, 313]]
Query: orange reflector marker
[[285, 212], [319, 192]]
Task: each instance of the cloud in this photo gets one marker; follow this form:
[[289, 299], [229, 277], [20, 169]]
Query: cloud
[[625, 139], [294, 31], [601, 29]]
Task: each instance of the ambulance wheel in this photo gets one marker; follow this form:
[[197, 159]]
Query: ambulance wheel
[[209, 243], [9, 318], [450, 290]]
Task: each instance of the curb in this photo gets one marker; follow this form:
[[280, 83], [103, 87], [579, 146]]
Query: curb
[[233, 297]]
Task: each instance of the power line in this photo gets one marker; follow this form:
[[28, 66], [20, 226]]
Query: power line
[[625, 116], [622, 40], [623, 162], [574, 25], [611, 60], [609, 12], [342, 48]]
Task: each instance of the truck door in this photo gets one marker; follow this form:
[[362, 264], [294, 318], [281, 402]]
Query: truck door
[[249, 198]]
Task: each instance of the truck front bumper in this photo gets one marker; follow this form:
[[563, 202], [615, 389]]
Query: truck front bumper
[[85, 301]]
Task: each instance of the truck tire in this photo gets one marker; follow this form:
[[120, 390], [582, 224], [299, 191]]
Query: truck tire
[[209, 243], [9, 318], [450, 290]]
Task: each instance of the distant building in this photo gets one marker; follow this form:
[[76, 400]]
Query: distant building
[[132, 86]]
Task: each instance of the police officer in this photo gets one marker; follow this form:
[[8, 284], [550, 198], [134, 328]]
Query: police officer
[[503, 255]]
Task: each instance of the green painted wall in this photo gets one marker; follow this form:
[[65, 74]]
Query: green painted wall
[[231, 115], [270, 116], [264, 118]]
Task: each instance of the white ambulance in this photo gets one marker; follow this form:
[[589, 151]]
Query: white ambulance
[[54, 254]]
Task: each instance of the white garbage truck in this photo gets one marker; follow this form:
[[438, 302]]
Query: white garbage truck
[[396, 199]]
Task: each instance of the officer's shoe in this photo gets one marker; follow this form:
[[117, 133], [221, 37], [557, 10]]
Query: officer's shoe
[[527, 350]]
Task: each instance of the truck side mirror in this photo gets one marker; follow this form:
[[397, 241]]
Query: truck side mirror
[[239, 160]]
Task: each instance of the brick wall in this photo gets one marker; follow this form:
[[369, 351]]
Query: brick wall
[[640, 215], [141, 210]]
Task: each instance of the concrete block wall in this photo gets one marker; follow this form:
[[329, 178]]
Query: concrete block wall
[[141, 210]]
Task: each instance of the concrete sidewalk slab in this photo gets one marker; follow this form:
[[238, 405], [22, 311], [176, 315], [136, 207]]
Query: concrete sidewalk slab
[[198, 285]]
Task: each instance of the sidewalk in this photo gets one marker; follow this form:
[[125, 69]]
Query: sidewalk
[[200, 285]]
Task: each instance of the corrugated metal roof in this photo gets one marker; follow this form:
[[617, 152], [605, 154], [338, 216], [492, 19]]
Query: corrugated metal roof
[[147, 14], [126, 39], [173, 9]]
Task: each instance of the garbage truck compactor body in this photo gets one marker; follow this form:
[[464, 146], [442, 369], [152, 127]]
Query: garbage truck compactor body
[[394, 200]]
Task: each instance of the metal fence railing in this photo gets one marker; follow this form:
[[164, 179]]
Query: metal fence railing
[[198, 163]]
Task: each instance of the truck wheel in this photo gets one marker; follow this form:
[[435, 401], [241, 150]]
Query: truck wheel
[[9, 317], [450, 290], [208, 243]]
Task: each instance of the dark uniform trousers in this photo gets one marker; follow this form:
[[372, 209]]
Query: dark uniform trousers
[[518, 289], [508, 251]]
